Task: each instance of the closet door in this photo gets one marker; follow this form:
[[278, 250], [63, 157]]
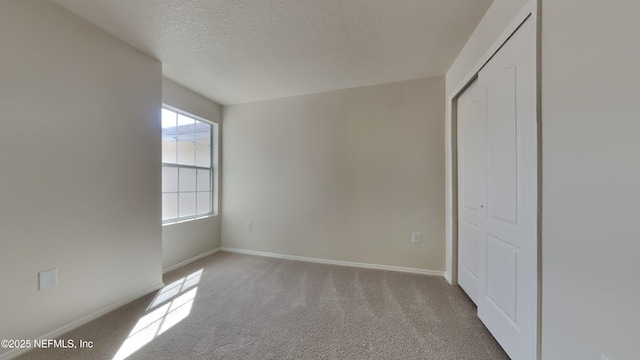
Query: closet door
[[508, 287], [471, 188]]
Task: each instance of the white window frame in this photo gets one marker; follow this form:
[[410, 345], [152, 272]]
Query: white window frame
[[213, 168]]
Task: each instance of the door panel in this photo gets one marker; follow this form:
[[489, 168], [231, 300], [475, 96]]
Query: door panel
[[469, 237], [471, 189], [502, 145], [508, 276], [501, 276]]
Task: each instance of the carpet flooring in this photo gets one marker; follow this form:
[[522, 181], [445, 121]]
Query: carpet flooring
[[233, 306]]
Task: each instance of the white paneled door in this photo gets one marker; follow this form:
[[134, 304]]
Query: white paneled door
[[498, 160], [471, 188]]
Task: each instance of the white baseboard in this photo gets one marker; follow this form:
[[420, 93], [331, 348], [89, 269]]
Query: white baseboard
[[83, 320], [188, 261], [337, 262]]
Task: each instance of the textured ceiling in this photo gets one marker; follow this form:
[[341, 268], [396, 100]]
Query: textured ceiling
[[235, 51]]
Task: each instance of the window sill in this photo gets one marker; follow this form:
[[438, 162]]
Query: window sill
[[180, 221]]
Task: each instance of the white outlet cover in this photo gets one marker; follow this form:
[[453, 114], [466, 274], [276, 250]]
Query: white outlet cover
[[416, 237], [249, 225], [47, 279]]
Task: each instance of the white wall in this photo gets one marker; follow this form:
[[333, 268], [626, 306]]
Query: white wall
[[342, 175], [591, 179], [186, 240], [80, 155]]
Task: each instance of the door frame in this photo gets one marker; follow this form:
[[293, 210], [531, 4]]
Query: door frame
[[530, 10]]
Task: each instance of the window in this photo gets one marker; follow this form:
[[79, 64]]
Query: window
[[188, 166]]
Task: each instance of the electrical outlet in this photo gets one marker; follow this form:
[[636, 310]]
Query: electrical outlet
[[249, 225], [602, 357], [416, 237]]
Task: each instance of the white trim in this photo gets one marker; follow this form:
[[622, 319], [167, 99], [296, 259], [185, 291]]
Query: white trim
[[337, 262], [529, 10], [83, 320], [188, 261], [447, 276], [188, 219]]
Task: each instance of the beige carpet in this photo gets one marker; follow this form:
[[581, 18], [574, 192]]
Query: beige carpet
[[249, 307]]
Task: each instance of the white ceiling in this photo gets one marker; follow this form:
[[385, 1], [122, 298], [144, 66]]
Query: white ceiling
[[236, 51]]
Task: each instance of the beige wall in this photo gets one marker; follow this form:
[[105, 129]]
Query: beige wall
[[591, 179], [343, 175], [186, 240], [80, 168]]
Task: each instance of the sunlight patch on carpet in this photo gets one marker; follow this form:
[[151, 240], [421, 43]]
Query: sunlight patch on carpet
[[182, 294]]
